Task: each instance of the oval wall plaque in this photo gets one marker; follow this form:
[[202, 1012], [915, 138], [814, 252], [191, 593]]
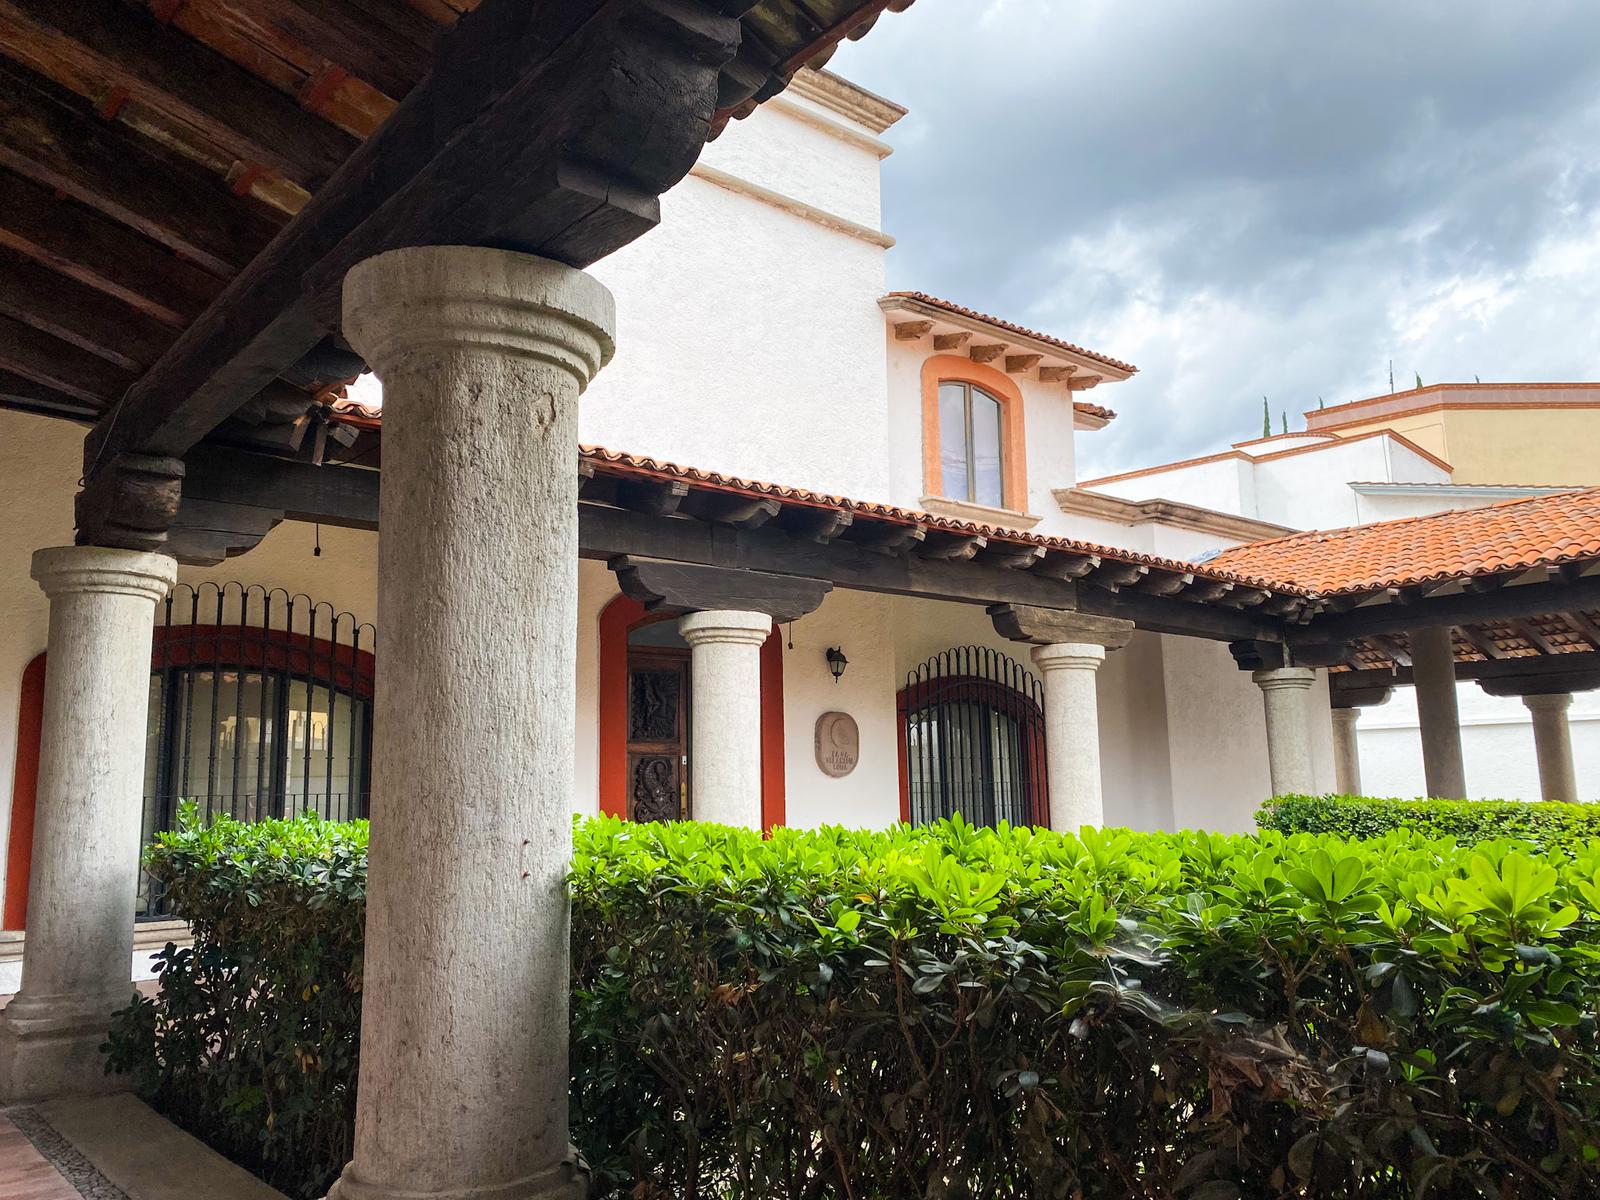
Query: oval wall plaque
[[838, 744]]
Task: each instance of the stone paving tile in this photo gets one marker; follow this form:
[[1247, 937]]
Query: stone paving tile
[[37, 1163]]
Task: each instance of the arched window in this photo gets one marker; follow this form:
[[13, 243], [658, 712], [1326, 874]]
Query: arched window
[[973, 443], [260, 706], [972, 741], [971, 431]]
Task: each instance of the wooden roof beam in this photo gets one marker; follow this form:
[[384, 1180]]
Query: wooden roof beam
[[911, 331], [1114, 576], [27, 395], [1530, 633], [1585, 625], [987, 353], [57, 140], [1013, 556], [76, 242], [729, 508], [1208, 591], [1019, 364], [1480, 641], [111, 45], [1082, 383], [1166, 583], [819, 525], [884, 537], [387, 45], [550, 129], [1056, 374], [79, 315], [951, 341], [56, 364], [1062, 564], [951, 546]]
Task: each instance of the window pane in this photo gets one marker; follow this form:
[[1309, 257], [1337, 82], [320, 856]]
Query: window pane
[[218, 759], [953, 441], [323, 759], [986, 474]]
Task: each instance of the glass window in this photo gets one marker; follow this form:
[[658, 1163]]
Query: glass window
[[971, 433]]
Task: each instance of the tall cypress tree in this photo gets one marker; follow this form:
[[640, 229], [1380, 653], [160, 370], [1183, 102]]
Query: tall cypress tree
[[1266, 418]]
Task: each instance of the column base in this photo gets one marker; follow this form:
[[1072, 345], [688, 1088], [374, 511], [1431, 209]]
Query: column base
[[50, 1046], [566, 1180]]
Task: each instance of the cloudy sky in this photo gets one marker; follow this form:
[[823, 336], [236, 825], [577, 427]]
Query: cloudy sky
[[1253, 197]]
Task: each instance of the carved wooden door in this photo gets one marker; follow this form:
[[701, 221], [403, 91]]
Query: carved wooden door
[[658, 735]]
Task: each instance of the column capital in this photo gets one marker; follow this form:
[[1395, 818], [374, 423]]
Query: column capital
[[1548, 702], [733, 626], [1345, 716], [1280, 678], [63, 570], [1069, 656], [406, 309]]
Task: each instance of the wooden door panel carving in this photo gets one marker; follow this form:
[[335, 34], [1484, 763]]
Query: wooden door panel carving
[[658, 735]]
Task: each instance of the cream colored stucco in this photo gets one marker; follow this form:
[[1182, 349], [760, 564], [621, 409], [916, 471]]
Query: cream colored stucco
[[1531, 445]]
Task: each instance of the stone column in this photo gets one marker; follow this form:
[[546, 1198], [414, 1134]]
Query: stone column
[[1433, 672], [463, 1087], [725, 714], [1552, 740], [1072, 732], [81, 893], [1283, 692], [1346, 751]]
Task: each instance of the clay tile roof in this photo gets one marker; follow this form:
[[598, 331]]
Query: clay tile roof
[[1094, 410], [597, 457], [1514, 535], [974, 314]]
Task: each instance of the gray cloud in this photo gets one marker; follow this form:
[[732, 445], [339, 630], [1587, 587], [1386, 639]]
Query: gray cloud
[[1251, 197]]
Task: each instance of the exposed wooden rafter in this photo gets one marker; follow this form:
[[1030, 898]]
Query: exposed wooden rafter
[[911, 331]]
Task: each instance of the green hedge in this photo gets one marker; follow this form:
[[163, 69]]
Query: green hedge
[[1547, 824], [953, 1012]]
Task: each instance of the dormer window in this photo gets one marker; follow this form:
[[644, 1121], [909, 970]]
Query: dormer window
[[971, 437]]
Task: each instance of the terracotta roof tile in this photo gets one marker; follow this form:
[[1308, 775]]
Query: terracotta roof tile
[[1099, 411], [1514, 535], [642, 465], [962, 311]]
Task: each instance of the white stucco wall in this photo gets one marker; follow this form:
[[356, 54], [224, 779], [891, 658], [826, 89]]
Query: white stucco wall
[[1496, 743], [1218, 738], [1225, 485], [749, 339]]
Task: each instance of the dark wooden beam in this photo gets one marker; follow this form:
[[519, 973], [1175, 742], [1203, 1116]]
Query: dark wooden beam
[[74, 241], [341, 496], [729, 508], [657, 496], [952, 546], [114, 46], [1166, 583], [1480, 641], [1064, 564], [886, 537], [1398, 654], [1114, 576], [1053, 626], [814, 524], [1208, 591], [384, 45], [57, 140], [695, 587], [1585, 625], [48, 360], [549, 129], [1530, 634], [1544, 672], [27, 395], [1464, 608], [1013, 556], [80, 315]]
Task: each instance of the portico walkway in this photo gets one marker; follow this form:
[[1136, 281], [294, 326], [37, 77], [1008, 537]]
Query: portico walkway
[[112, 1148]]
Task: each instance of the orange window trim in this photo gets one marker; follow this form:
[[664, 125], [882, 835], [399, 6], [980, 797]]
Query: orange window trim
[[952, 368], [617, 619]]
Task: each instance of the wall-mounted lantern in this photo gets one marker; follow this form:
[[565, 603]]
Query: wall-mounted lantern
[[837, 662]]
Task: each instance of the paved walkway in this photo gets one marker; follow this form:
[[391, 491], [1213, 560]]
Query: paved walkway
[[111, 1148], [26, 1174]]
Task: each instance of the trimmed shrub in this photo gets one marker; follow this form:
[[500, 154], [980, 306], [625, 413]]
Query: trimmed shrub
[[1547, 824], [252, 1043], [1010, 1013]]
